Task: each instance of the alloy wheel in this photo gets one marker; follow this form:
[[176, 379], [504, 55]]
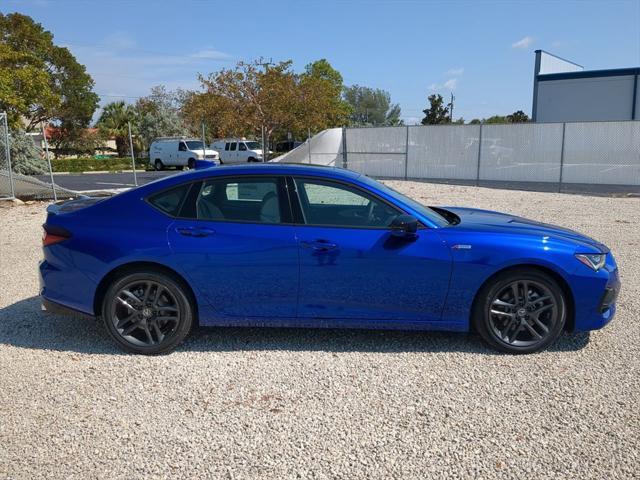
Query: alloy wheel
[[523, 313], [145, 313]]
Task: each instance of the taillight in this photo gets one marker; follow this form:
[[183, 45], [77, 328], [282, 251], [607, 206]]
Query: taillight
[[52, 235]]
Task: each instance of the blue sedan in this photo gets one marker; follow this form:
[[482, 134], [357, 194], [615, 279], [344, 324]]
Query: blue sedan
[[296, 245]]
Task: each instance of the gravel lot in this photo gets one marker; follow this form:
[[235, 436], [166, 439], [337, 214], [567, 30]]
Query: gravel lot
[[278, 403]]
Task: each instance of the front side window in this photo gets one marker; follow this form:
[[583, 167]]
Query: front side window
[[334, 204], [182, 147], [233, 147], [254, 200], [242, 147]]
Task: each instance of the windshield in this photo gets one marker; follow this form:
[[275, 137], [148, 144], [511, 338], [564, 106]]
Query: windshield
[[435, 217], [253, 145], [194, 145]]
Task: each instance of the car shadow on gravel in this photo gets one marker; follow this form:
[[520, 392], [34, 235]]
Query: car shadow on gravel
[[23, 324]]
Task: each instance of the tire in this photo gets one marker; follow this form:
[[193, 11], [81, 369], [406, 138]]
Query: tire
[[506, 318], [156, 316], [251, 160], [191, 163], [158, 165]]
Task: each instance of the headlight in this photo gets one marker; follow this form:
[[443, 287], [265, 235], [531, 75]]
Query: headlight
[[594, 261]]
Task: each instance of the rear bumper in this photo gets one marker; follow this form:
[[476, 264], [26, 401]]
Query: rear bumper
[[58, 309]]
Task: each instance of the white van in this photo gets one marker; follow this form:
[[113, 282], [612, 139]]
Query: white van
[[179, 152], [238, 150]]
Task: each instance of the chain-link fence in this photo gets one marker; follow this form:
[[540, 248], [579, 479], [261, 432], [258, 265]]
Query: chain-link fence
[[592, 156], [7, 188], [22, 161]]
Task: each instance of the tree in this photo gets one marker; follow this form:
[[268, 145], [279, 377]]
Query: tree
[[243, 100], [475, 121], [518, 117], [114, 121], [437, 112], [321, 98], [322, 69], [83, 142], [25, 156], [495, 119], [371, 107], [40, 81], [159, 115]]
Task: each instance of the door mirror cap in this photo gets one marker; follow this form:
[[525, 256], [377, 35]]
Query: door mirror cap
[[404, 226]]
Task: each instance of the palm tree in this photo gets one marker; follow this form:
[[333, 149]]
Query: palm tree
[[114, 122]]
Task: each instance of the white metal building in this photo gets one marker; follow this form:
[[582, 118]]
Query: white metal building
[[564, 92]]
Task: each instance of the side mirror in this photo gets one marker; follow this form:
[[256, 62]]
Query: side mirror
[[404, 226]]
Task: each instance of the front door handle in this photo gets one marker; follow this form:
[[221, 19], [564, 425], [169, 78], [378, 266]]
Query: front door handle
[[195, 231], [319, 245]]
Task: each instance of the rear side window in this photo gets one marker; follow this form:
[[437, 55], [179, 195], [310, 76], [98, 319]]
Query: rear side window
[[254, 200], [226, 146], [170, 200], [233, 147]]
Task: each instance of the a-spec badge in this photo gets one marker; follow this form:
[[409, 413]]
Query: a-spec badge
[[461, 247]]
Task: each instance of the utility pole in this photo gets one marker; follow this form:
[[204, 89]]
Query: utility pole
[[133, 157], [266, 65], [204, 145], [451, 111], [265, 147]]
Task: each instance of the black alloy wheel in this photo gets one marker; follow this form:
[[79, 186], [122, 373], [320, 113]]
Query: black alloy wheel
[[521, 312], [147, 312]]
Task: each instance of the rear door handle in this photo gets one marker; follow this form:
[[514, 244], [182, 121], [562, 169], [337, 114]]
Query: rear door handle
[[319, 245], [195, 231]]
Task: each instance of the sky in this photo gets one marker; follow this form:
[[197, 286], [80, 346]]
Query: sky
[[481, 51]]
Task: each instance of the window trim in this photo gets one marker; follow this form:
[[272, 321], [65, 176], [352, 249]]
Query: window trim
[[286, 192], [196, 185], [297, 203]]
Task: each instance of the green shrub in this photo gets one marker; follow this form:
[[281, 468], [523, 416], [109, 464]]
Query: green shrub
[[94, 164], [25, 156]]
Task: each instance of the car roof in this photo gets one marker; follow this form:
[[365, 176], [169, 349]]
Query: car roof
[[267, 169], [248, 169]]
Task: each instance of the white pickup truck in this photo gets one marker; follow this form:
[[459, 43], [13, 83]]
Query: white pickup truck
[[238, 150]]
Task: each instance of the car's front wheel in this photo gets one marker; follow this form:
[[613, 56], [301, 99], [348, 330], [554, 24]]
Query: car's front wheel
[[520, 311], [147, 312]]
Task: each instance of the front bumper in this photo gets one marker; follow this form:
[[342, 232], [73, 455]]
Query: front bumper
[[595, 295]]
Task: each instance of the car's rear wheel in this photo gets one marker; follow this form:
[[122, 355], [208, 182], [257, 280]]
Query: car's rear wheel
[[521, 311], [147, 312], [158, 165]]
